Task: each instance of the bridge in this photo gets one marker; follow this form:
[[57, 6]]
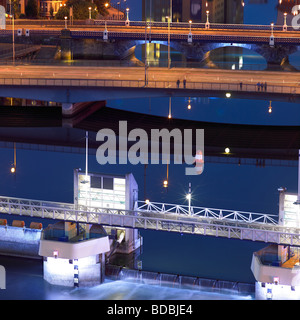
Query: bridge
[[69, 85], [231, 224], [193, 40]]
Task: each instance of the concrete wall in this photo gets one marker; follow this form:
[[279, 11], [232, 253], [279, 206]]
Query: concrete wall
[[61, 271], [266, 274], [77, 250], [23, 242]]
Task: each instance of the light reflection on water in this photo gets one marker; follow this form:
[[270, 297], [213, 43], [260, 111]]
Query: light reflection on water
[[123, 290]]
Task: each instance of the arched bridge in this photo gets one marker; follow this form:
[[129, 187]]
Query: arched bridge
[[195, 41]]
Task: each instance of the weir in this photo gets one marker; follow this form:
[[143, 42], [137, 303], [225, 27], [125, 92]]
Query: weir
[[176, 281]]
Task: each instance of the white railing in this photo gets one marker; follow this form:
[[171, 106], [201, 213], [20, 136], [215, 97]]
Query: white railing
[[219, 214], [206, 222]]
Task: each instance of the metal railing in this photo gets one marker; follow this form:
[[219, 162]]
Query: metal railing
[[220, 214], [157, 84], [142, 219], [154, 24]]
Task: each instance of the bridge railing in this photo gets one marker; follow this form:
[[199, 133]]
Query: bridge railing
[[219, 214], [155, 24], [204, 86]]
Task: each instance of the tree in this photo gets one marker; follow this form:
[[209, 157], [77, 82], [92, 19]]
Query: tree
[[31, 10], [81, 9]]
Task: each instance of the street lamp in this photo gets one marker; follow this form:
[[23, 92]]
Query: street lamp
[[271, 42], [284, 27], [189, 198], [90, 13], [13, 36], [66, 18], [169, 36], [190, 36], [207, 24], [127, 22]]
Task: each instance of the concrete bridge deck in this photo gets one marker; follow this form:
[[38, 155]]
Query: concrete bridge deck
[[69, 85]]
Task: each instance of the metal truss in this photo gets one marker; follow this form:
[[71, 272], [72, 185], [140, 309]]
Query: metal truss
[[232, 225], [220, 214]]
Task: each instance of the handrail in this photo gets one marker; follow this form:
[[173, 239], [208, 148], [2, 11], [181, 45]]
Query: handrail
[[95, 22], [220, 214], [238, 229], [157, 84]]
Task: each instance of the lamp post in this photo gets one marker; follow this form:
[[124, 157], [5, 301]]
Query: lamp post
[[190, 36], [271, 42], [127, 22], [169, 36], [66, 18], [90, 13], [189, 198], [207, 24], [284, 27], [13, 36]]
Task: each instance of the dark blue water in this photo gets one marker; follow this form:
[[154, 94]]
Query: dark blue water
[[49, 176]]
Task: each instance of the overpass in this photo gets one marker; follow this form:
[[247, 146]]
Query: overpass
[[69, 85], [194, 40]]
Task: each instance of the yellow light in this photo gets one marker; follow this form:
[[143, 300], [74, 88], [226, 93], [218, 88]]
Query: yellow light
[[12, 169], [227, 150], [189, 107], [188, 196], [270, 107], [169, 116], [147, 201], [228, 95], [165, 183]]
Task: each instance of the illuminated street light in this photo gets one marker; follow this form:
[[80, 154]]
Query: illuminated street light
[[147, 201], [271, 42], [284, 27], [190, 36], [228, 95], [90, 13], [207, 24], [127, 22], [165, 184], [189, 198], [227, 150], [66, 18]]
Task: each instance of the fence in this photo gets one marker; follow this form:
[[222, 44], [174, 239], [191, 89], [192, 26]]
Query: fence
[[151, 84]]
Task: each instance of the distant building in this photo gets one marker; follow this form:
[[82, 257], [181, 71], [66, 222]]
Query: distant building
[[220, 11], [46, 5], [115, 14]]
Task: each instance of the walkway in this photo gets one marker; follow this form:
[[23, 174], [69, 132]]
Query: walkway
[[233, 224]]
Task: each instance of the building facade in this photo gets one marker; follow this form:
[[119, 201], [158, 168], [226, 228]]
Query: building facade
[[220, 11]]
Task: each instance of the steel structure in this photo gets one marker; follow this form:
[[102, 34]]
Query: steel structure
[[164, 217]]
